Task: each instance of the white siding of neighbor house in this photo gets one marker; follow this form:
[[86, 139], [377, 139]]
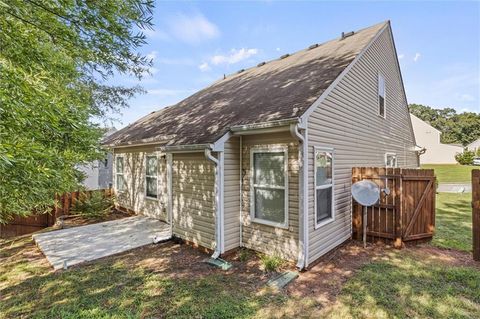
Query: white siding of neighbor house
[[429, 137], [232, 193], [269, 239], [134, 171], [348, 121], [193, 192]]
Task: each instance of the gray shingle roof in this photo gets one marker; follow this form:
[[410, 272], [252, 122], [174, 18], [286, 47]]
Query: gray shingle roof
[[280, 89]]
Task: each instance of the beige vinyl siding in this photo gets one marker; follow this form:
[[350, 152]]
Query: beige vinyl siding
[[193, 192], [264, 238], [134, 172], [232, 193], [348, 121]]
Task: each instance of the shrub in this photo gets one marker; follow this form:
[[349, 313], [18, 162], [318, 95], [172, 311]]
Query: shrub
[[465, 158], [243, 254], [94, 206], [478, 152], [271, 263]]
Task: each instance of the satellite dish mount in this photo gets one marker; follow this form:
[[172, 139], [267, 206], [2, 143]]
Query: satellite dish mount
[[366, 193]]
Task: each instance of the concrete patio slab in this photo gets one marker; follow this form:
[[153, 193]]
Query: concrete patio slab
[[84, 243]]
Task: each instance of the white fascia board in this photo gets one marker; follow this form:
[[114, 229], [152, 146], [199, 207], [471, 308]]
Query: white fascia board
[[311, 109]]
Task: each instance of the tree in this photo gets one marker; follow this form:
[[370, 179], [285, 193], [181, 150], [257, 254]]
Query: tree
[[462, 128], [56, 58]]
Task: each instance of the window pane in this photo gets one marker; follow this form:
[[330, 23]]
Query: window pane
[[391, 161], [324, 204], [269, 168], [381, 105], [151, 165], [324, 168], [120, 183], [270, 204], [151, 186], [119, 164], [381, 95]]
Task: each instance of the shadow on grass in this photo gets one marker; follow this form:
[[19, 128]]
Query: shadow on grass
[[160, 282], [403, 287]]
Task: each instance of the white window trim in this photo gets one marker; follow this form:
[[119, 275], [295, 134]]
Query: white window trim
[[145, 180], [122, 173], [384, 96], [315, 187], [275, 149], [396, 159]]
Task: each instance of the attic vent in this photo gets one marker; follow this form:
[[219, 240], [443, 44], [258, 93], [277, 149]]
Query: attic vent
[[261, 63], [313, 46], [348, 34], [285, 56], [240, 71]]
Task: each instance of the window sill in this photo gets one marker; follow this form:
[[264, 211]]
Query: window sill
[[268, 223], [324, 222], [152, 198]]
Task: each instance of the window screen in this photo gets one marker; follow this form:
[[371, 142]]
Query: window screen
[[151, 176], [269, 187], [323, 185], [381, 96], [390, 160], [119, 174]]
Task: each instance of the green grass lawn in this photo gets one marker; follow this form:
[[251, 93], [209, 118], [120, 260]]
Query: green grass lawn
[[452, 173], [453, 221], [171, 281]]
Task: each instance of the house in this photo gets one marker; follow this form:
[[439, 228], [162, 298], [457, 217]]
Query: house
[[474, 146], [262, 158], [98, 174], [428, 137]]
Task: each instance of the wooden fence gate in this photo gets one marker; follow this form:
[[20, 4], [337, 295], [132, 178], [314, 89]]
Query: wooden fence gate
[[407, 214]]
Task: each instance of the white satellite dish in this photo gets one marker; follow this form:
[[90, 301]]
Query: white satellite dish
[[366, 193]]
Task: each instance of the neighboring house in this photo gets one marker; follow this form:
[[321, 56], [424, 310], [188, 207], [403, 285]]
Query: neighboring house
[[98, 174], [263, 158], [474, 146], [428, 137]]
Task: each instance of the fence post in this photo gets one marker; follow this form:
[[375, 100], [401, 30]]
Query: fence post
[[476, 213], [398, 208]]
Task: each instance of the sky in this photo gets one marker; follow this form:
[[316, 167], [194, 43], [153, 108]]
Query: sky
[[194, 44]]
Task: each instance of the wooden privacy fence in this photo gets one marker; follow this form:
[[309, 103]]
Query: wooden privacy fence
[[476, 213], [25, 225], [407, 214]]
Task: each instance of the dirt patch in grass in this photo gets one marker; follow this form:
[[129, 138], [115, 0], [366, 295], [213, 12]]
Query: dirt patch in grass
[[325, 279], [447, 257]]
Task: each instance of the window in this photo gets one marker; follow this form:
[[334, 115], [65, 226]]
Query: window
[[119, 171], [151, 177], [323, 186], [391, 160], [381, 96], [269, 186]]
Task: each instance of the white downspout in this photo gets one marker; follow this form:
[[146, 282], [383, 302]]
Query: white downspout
[[218, 200], [303, 200], [169, 158], [241, 191]]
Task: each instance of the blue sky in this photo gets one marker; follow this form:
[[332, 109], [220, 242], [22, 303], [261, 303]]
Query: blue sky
[[195, 43]]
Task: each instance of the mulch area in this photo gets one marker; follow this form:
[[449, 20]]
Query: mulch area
[[76, 220]]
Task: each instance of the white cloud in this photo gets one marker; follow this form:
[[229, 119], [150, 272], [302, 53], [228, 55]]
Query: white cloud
[[401, 56], [416, 57], [175, 61], [466, 98], [204, 67], [234, 56], [192, 29], [152, 55]]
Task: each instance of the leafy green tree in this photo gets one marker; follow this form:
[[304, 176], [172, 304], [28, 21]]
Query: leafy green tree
[[465, 158], [56, 60], [462, 128]]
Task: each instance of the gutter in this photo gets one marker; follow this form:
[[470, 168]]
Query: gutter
[[218, 200], [303, 194], [245, 129]]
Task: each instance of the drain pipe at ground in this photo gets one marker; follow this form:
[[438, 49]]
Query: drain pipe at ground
[[218, 201]]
